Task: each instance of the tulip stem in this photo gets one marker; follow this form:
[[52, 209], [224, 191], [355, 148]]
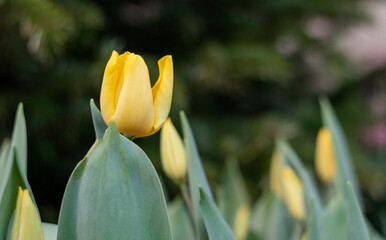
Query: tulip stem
[[188, 200]]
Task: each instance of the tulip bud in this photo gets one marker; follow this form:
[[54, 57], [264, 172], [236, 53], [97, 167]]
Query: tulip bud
[[241, 222], [126, 95], [293, 193], [274, 174], [325, 163], [26, 223], [173, 154]]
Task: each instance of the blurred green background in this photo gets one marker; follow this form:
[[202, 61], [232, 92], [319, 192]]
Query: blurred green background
[[245, 72]]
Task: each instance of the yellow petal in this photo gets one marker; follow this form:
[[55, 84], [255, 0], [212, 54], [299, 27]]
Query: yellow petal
[[293, 193], [109, 85], [134, 114], [26, 224], [173, 156], [241, 222], [274, 173], [162, 93], [325, 163]]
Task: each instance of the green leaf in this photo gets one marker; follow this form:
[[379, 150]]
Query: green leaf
[[333, 220], [310, 190], [50, 231], [356, 224], [19, 138], [313, 231], [215, 224], [180, 221], [196, 173], [99, 124], [279, 223], [233, 192], [345, 168], [114, 192], [4, 151]]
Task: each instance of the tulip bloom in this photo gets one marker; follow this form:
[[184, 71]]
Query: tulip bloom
[[26, 224], [293, 193], [127, 97], [173, 155], [325, 163]]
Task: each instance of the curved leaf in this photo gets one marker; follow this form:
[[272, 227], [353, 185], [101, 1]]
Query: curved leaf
[[19, 138], [215, 224], [181, 224], [99, 124], [196, 173], [345, 168], [114, 191], [356, 224], [233, 192]]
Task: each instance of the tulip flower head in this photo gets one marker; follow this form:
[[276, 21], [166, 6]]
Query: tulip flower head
[[274, 173], [26, 223], [325, 163], [173, 155], [127, 97], [293, 193]]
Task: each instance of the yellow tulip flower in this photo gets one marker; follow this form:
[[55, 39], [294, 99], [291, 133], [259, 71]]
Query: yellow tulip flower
[[173, 156], [293, 193], [325, 163], [127, 97], [241, 222], [274, 174], [26, 224]]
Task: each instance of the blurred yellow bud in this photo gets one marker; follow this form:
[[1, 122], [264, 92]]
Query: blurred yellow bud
[[26, 223], [304, 236], [127, 97], [293, 193], [274, 174], [241, 222], [173, 156], [325, 163]]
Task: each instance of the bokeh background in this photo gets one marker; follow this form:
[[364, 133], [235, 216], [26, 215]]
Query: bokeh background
[[245, 72]]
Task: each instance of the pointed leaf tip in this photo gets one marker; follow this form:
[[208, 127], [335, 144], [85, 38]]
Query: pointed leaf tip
[[356, 225], [98, 122]]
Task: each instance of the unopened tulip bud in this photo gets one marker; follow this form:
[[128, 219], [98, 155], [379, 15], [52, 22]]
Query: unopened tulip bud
[[293, 193], [325, 163], [26, 223], [127, 97], [241, 222], [173, 155], [274, 173]]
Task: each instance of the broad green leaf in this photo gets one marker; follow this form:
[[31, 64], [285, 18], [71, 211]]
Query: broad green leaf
[[215, 224], [114, 192], [19, 138], [333, 220], [99, 124], [270, 219], [356, 224], [50, 231], [310, 190], [313, 231], [196, 173], [233, 193], [180, 221], [345, 171]]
